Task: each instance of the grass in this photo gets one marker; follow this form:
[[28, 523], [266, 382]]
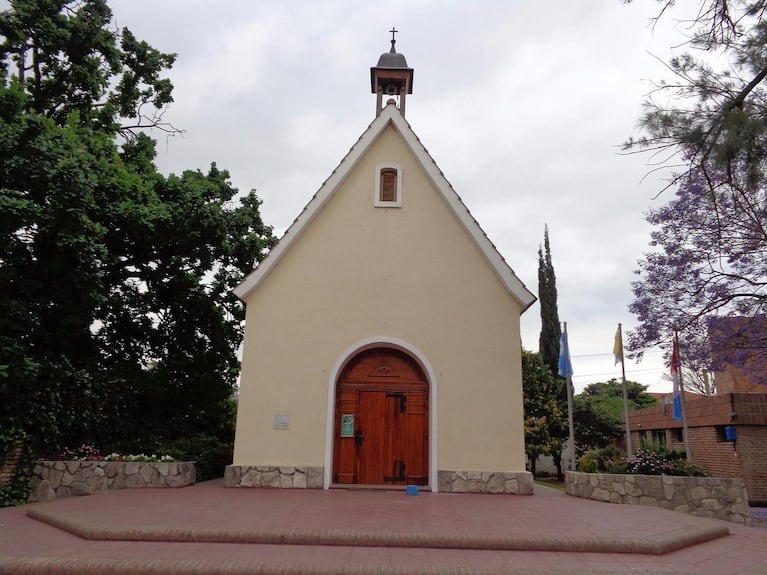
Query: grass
[[551, 482]]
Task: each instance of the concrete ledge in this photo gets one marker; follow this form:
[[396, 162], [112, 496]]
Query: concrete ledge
[[501, 482], [55, 479], [716, 497], [286, 477]]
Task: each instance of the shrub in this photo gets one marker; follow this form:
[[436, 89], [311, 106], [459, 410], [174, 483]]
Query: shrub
[[650, 460], [89, 453], [588, 463], [657, 460], [140, 458], [15, 461], [601, 460], [210, 453]]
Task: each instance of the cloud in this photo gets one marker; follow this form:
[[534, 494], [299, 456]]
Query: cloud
[[522, 104]]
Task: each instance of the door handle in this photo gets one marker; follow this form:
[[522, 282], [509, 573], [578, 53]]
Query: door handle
[[358, 438]]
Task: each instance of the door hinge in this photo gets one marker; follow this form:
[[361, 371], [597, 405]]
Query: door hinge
[[399, 467], [402, 400]]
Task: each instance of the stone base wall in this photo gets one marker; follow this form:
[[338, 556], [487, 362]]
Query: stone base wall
[[718, 497], [285, 477], [54, 479], [520, 483]]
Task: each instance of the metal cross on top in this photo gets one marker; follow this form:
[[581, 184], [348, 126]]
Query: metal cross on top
[[393, 32]]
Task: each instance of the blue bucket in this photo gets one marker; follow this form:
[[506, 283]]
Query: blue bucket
[[411, 490]]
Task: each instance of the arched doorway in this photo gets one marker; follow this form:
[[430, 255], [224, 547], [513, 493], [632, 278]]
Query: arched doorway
[[381, 434]]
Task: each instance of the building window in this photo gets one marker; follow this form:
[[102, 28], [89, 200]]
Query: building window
[[678, 433], [725, 433], [388, 186], [659, 437]]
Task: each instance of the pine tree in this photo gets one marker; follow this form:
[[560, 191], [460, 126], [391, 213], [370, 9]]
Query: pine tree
[[548, 342]]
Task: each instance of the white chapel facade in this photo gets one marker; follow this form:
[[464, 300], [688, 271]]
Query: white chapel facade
[[382, 335]]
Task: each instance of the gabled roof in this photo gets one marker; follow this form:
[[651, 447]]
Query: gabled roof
[[390, 115]]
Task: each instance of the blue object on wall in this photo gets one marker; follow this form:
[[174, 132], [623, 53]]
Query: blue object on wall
[[729, 433]]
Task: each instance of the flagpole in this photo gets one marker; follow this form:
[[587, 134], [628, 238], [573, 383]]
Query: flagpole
[[629, 451], [569, 383], [683, 403]]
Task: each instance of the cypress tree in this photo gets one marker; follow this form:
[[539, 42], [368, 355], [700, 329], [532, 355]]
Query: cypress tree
[[548, 342]]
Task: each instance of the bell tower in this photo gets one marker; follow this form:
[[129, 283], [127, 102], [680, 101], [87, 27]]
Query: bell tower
[[392, 77]]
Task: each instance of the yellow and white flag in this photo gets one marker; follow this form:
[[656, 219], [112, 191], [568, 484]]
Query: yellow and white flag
[[618, 346]]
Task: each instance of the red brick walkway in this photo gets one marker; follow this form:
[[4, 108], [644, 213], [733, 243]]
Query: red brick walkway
[[173, 531]]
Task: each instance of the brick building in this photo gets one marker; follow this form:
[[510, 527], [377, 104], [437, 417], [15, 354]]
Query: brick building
[[728, 432]]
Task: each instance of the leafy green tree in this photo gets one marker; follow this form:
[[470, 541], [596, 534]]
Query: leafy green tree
[[117, 321], [610, 395], [543, 414], [598, 411], [596, 426]]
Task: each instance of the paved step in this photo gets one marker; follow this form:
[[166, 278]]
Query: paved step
[[256, 567], [434, 533], [211, 531]]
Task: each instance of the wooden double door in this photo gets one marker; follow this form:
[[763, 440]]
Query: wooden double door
[[382, 421]]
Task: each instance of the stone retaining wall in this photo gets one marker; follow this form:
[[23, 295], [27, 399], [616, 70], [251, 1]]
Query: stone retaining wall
[[718, 497], [272, 476], [54, 479], [312, 478], [520, 483]]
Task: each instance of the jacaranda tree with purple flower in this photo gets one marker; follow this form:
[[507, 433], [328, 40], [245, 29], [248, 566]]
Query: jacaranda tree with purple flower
[[709, 244], [707, 263]]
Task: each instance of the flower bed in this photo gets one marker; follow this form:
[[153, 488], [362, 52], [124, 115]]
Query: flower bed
[[54, 479], [718, 497]]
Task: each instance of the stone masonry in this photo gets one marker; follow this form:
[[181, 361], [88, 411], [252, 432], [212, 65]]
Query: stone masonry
[[718, 497], [54, 479], [485, 482], [287, 477]]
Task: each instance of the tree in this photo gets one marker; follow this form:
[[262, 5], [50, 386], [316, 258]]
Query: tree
[[548, 342], [543, 414], [117, 321], [609, 394], [67, 60], [598, 411], [713, 111], [709, 243], [595, 426]]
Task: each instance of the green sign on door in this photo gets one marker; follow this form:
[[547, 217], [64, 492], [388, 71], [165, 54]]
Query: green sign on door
[[347, 425]]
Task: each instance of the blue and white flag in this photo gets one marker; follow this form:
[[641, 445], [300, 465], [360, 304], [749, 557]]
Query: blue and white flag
[[676, 378], [565, 367]]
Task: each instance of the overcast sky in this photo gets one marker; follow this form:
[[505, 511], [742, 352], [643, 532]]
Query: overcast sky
[[523, 104]]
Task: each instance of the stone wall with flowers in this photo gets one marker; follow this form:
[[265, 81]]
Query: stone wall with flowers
[[54, 479], [717, 497]]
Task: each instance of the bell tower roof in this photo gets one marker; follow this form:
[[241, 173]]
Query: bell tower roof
[[391, 76], [392, 59]]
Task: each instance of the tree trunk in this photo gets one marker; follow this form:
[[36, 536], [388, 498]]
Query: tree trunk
[[557, 457]]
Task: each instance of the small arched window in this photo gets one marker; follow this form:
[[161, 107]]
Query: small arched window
[[388, 188], [388, 185]]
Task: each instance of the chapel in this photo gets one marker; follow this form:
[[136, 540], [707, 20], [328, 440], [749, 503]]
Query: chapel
[[382, 335]]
